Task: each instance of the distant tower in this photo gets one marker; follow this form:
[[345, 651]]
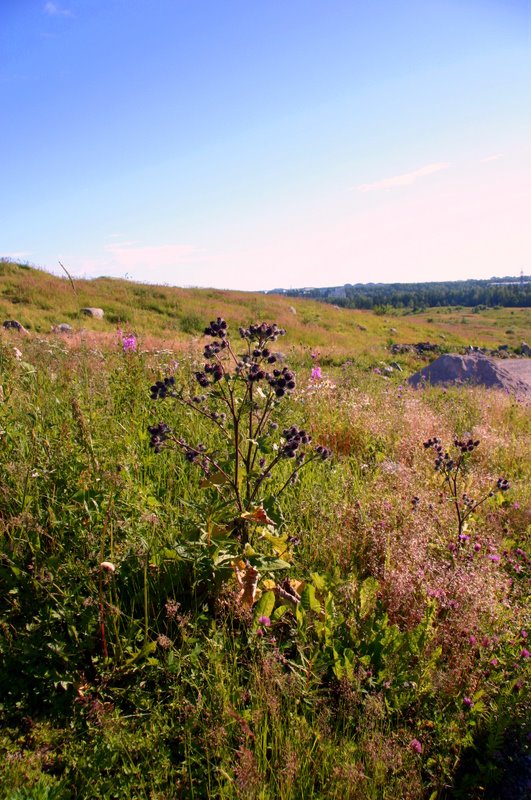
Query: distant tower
[[521, 277]]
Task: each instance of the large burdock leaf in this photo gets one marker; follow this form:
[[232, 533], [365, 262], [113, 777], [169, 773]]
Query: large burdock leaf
[[308, 599], [264, 607]]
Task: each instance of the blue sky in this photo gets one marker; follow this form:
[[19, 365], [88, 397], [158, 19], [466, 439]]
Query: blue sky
[[261, 143]]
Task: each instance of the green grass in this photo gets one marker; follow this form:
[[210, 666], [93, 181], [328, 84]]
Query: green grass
[[152, 681]]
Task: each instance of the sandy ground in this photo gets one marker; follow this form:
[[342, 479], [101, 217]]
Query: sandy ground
[[519, 368]]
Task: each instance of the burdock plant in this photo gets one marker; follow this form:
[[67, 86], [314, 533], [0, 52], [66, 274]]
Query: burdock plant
[[452, 463], [239, 394]]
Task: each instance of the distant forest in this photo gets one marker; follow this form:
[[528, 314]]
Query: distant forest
[[508, 292]]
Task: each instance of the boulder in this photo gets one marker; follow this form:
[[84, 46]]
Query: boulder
[[419, 348], [14, 325], [96, 313], [63, 327]]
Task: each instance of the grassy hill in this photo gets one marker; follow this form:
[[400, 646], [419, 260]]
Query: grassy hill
[[39, 300]]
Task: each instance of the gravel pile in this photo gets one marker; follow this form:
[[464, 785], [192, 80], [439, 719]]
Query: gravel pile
[[512, 376]]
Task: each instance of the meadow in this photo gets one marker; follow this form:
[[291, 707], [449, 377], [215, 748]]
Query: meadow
[[244, 564]]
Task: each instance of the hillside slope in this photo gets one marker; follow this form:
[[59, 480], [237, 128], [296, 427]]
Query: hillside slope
[[39, 300]]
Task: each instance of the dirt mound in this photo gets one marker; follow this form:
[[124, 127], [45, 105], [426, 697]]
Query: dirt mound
[[512, 376]]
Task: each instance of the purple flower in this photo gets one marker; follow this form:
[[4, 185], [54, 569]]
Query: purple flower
[[316, 373], [472, 640], [129, 343], [265, 621], [524, 653], [494, 557], [467, 702], [416, 746]]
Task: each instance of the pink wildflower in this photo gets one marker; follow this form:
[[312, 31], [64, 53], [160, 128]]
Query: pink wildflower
[[129, 343], [316, 373], [265, 621], [416, 746], [468, 702], [524, 653]]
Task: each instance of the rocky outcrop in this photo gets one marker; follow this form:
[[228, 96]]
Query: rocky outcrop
[[96, 313], [63, 327], [419, 348], [14, 325]]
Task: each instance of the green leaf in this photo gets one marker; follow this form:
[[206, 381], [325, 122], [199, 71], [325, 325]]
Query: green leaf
[[264, 445], [279, 612], [309, 600], [264, 607], [319, 581], [268, 563], [216, 479]]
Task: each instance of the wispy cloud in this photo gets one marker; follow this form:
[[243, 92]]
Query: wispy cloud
[[494, 157], [55, 10], [406, 179]]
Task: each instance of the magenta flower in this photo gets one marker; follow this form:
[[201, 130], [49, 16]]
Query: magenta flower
[[494, 557], [524, 653], [472, 640], [129, 343], [265, 621], [416, 746], [316, 373], [468, 702]]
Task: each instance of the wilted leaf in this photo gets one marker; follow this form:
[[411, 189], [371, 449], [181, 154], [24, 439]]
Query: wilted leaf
[[258, 514], [216, 479]]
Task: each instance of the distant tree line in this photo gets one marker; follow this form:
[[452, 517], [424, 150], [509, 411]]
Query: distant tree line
[[508, 292]]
